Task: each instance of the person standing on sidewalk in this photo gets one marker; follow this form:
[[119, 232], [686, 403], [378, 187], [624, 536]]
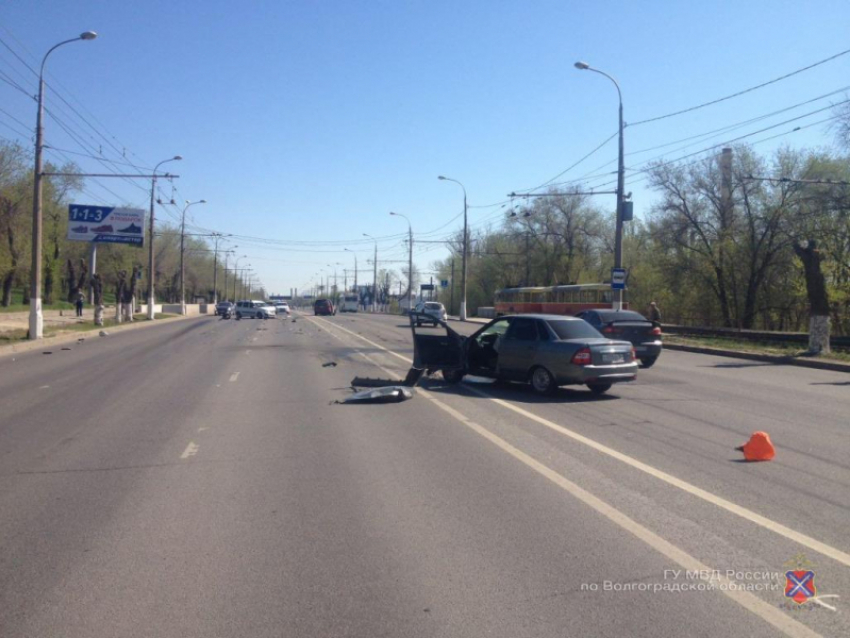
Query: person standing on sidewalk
[[79, 303]]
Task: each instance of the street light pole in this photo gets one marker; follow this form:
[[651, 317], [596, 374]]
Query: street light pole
[[374, 275], [36, 319], [462, 315], [355, 267], [182, 254], [617, 303], [151, 273], [235, 276], [410, 263]]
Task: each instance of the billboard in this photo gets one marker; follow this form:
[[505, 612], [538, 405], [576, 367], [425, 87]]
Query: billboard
[[104, 224]]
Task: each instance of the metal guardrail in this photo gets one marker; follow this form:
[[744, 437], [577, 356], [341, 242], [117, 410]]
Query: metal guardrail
[[839, 343]]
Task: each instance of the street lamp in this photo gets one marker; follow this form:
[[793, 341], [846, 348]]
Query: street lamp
[[236, 276], [465, 249], [410, 264], [36, 319], [182, 251], [227, 254], [374, 274], [151, 273], [621, 178]]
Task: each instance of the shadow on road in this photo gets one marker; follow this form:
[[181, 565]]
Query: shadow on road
[[516, 392]]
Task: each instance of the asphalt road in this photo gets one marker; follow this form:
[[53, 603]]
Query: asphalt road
[[198, 479]]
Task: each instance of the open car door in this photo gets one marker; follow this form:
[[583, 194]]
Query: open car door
[[433, 351]]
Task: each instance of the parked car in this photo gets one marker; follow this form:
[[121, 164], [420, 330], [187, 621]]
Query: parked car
[[282, 308], [323, 307], [546, 351], [252, 309], [632, 326], [429, 311]]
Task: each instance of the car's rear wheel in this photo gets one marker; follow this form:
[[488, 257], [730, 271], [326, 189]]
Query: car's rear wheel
[[648, 362], [599, 388], [542, 381], [238, 315]]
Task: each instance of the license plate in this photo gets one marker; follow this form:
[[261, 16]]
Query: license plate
[[613, 358]]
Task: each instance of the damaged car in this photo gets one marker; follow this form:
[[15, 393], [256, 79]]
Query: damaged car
[[545, 351]]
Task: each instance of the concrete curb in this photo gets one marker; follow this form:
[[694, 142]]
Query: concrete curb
[[71, 337], [835, 366]]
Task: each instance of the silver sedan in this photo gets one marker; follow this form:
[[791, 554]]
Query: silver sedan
[[546, 351]]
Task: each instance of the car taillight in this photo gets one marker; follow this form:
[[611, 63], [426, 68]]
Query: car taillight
[[634, 353], [582, 357], [656, 331], [609, 330]]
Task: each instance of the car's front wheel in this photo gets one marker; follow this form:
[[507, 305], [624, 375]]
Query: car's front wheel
[[542, 381], [599, 388]]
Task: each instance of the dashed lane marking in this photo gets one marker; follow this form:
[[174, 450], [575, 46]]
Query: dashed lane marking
[[762, 521], [752, 603], [234, 376]]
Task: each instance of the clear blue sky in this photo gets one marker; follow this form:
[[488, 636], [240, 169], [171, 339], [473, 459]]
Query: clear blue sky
[[310, 121]]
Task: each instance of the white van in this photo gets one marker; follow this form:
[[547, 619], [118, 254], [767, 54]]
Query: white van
[[350, 303]]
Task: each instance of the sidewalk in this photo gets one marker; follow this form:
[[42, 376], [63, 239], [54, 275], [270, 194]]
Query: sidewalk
[[72, 336]]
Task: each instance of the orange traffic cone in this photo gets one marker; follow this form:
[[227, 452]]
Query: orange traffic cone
[[758, 448]]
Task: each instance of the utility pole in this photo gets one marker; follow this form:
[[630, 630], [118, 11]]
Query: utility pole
[[374, 275], [182, 254], [36, 317], [452, 302], [409, 263], [151, 266], [621, 178], [462, 315], [215, 268]]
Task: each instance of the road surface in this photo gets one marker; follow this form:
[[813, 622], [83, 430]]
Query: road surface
[[199, 479]]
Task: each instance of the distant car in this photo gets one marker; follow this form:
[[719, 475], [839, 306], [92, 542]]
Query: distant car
[[429, 311], [632, 326], [282, 308], [251, 309], [222, 307], [546, 351], [323, 307]]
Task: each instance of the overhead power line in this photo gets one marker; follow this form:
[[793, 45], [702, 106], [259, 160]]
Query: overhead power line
[[743, 92]]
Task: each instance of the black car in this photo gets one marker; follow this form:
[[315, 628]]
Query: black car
[[632, 326], [545, 351]]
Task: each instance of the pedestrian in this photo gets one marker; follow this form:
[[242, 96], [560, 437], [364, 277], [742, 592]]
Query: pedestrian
[[654, 314], [79, 303]]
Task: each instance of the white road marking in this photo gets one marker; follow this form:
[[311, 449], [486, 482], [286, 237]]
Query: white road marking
[[202, 429], [752, 603], [44, 387], [729, 506], [191, 450], [234, 376], [247, 352]]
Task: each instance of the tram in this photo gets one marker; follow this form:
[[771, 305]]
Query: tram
[[556, 300]]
